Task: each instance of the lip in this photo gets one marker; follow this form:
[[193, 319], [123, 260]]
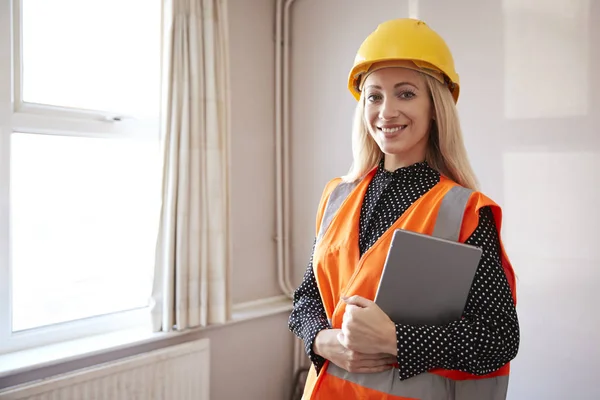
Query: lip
[[395, 132]]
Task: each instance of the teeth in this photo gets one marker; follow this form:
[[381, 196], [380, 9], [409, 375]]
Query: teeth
[[392, 130]]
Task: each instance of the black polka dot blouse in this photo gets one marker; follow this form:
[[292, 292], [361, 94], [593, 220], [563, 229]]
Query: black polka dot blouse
[[485, 339]]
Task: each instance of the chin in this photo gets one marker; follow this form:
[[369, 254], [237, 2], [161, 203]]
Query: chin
[[393, 150]]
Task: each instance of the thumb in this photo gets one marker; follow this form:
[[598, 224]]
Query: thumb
[[342, 340], [357, 301]]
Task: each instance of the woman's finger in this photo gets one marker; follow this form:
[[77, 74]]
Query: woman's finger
[[375, 363], [374, 356], [374, 369]]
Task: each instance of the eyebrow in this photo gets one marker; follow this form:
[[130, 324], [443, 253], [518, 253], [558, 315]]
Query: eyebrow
[[397, 85]]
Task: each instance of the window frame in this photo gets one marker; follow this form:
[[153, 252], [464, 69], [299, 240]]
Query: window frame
[[18, 116], [48, 119]]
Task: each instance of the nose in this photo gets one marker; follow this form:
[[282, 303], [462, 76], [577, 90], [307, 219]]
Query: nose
[[388, 110]]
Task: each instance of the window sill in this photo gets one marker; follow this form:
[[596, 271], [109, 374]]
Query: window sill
[[260, 308], [45, 361]]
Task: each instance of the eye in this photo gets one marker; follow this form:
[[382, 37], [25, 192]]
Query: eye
[[406, 94], [373, 98]]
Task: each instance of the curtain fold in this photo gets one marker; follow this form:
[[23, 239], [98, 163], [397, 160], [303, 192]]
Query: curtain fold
[[192, 255]]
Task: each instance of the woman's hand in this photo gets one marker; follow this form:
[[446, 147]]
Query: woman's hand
[[366, 328], [327, 345]]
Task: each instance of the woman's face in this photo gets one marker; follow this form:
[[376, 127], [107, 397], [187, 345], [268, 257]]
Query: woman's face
[[398, 112]]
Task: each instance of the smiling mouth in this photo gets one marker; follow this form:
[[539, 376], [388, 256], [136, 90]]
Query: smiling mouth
[[392, 130]]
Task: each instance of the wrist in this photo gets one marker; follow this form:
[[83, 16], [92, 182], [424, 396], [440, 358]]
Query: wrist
[[391, 340], [317, 346]]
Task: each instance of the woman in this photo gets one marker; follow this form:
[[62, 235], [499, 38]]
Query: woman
[[408, 154]]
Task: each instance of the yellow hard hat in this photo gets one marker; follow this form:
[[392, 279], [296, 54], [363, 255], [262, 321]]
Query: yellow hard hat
[[405, 39]]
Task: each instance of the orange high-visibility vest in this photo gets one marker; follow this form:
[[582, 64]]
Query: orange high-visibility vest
[[341, 271]]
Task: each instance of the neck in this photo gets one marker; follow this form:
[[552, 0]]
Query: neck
[[392, 162]]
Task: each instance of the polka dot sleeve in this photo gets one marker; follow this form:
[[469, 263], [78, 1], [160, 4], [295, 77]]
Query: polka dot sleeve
[[308, 316], [486, 338]]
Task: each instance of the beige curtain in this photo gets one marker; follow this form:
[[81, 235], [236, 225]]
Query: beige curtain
[[192, 256]]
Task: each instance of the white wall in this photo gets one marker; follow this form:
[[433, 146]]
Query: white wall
[[530, 109], [252, 60], [252, 360]]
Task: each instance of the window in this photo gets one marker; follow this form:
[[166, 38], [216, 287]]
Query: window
[[83, 226], [80, 167], [95, 55]]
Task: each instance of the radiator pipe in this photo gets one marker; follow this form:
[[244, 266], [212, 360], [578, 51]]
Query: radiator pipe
[[282, 158]]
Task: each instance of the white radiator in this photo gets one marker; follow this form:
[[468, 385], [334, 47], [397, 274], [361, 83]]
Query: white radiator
[[179, 372]]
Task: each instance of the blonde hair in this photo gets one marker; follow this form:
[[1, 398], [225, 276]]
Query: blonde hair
[[446, 151]]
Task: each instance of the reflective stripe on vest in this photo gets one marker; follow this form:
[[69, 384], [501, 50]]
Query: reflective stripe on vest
[[449, 219], [426, 386], [334, 202]]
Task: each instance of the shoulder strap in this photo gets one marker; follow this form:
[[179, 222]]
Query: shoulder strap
[[336, 198], [451, 212], [448, 222]]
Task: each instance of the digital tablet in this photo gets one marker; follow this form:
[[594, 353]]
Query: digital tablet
[[426, 280]]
